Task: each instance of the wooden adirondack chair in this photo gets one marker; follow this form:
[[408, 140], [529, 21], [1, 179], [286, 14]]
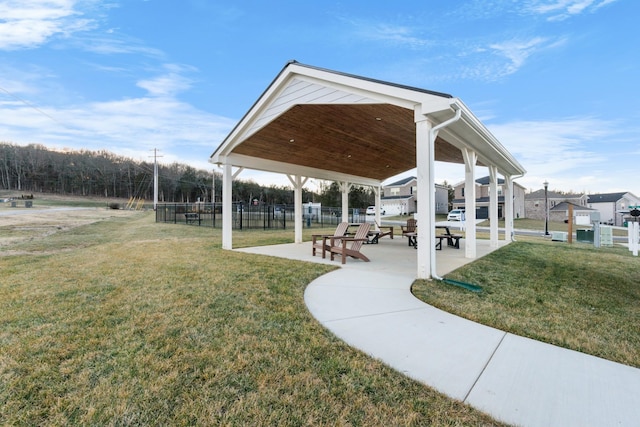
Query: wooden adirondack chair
[[320, 241], [410, 227], [350, 246]]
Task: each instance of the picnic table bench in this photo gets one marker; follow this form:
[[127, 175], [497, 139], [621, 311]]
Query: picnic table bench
[[453, 240], [413, 239]]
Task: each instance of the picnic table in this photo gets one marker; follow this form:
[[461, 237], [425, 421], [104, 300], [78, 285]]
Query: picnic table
[[453, 240]]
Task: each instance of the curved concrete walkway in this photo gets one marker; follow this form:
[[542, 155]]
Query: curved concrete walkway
[[516, 380]]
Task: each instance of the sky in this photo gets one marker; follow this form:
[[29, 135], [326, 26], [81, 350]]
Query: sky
[[556, 81]]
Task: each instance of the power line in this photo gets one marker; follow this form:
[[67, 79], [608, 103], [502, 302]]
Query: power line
[[28, 104]]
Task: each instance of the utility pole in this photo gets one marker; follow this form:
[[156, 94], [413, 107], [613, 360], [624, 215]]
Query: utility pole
[[155, 178]]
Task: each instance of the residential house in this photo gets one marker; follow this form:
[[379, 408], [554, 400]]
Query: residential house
[[400, 197], [582, 215], [482, 198], [613, 207], [534, 204]]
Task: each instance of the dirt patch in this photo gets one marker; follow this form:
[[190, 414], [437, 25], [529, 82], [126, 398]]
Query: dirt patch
[[20, 224]]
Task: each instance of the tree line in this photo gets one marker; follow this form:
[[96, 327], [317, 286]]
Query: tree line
[[36, 169]]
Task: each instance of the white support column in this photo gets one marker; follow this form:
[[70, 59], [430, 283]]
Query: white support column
[[227, 207], [508, 208], [298, 209], [493, 206], [344, 188], [377, 191], [297, 183], [633, 237], [426, 215], [470, 159]]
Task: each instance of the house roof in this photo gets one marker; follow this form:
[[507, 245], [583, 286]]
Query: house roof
[[408, 196], [605, 197], [539, 194], [401, 182], [325, 124], [479, 200], [565, 205], [485, 180]]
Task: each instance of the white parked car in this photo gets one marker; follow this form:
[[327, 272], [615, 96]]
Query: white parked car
[[371, 210], [456, 215]]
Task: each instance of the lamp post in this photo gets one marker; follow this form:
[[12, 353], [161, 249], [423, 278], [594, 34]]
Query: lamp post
[[546, 208]]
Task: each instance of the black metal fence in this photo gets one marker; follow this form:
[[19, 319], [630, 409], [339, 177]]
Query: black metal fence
[[245, 216]]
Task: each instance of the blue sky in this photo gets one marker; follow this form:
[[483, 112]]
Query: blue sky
[[556, 81]]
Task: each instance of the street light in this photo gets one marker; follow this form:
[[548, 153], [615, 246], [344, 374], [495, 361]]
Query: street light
[[546, 209]]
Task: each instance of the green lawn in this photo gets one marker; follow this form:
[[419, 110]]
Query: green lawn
[[574, 296], [128, 322]]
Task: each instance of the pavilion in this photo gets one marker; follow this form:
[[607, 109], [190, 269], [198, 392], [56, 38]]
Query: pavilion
[[317, 123]]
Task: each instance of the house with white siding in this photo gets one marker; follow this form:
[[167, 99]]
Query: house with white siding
[[401, 197], [613, 207], [482, 198]]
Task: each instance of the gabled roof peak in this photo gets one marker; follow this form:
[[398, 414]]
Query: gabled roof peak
[[368, 79]]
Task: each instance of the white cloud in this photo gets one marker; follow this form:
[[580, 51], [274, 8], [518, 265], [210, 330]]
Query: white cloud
[[130, 127], [559, 10], [18, 81], [530, 138], [490, 61], [168, 84], [469, 59], [30, 23], [518, 51], [568, 152], [397, 35], [115, 43]]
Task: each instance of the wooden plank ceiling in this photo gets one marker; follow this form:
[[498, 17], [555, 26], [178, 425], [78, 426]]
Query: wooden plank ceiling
[[369, 140]]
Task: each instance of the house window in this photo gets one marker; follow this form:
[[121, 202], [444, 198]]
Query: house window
[[462, 191], [414, 189], [395, 191]]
